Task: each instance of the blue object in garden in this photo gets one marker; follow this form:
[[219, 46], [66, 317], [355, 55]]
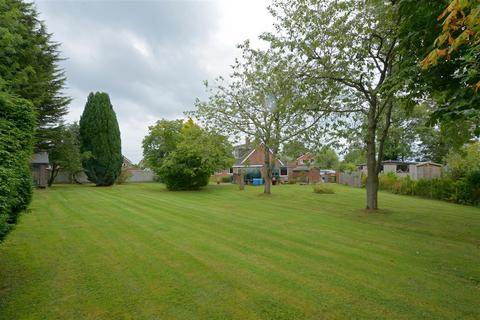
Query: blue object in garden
[[257, 181]]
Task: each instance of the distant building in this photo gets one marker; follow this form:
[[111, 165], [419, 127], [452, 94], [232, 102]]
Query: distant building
[[415, 170], [305, 170], [126, 163], [40, 168], [252, 161]]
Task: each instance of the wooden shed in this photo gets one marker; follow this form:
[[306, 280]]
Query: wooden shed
[[39, 166], [428, 170]]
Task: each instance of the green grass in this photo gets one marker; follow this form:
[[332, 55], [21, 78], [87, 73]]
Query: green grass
[[137, 251]]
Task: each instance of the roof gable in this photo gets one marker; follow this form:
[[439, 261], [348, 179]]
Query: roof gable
[[258, 149]]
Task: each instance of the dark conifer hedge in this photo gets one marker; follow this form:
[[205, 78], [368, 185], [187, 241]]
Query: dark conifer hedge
[[17, 124]]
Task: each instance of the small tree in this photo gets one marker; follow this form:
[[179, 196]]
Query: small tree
[[162, 139], [261, 100], [100, 137], [185, 156], [66, 154]]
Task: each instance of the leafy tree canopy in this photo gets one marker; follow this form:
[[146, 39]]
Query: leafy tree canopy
[[184, 155], [66, 154], [464, 161], [327, 158]]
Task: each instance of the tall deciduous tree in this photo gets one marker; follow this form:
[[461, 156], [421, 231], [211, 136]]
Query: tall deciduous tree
[[262, 100], [349, 50], [100, 136], [29, 66]]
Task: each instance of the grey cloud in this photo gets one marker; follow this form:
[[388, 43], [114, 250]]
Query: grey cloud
[[144, 54]]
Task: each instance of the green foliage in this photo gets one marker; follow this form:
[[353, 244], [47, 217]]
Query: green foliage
[[321, 188], [356, 155], [461, 162], [465, 190], [184, 155], [460, 36], [347, 166], [294, 149], [327, 158], [226, 179], [124, 175], [100, 137], [346, 52], [17, 123], [387, 181], [29, 66], [161, 140], [65, 154], [262, 99]]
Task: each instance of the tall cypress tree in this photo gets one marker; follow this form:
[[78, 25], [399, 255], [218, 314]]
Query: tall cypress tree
[[29, 66], [100, 137]]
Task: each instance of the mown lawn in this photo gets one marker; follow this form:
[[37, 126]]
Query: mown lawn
[[137, 251]]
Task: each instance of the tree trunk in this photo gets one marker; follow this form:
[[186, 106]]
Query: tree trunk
[[372, 173], [242, 180], [267, 175], [53, 174], [75, 179], [372, 190]]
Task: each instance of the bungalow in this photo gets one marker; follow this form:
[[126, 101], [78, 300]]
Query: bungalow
[[252, 160]]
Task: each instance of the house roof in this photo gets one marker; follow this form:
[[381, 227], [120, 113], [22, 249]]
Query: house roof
[[245, 152], [306, 154], [428, 163], [241, 151]]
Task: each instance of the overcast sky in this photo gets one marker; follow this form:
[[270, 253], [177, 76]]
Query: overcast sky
[[151, 57]]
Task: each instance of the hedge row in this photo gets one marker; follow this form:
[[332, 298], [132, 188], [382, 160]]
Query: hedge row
[[465, 190], [17, 124]]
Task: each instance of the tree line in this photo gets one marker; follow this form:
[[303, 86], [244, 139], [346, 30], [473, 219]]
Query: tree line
[[376, 75]]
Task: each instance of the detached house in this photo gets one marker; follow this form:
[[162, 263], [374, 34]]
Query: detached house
[[252, 160]]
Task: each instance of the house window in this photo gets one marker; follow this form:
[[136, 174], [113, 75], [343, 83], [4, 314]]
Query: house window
[[230, 170], [402, 168], [283, 171]]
